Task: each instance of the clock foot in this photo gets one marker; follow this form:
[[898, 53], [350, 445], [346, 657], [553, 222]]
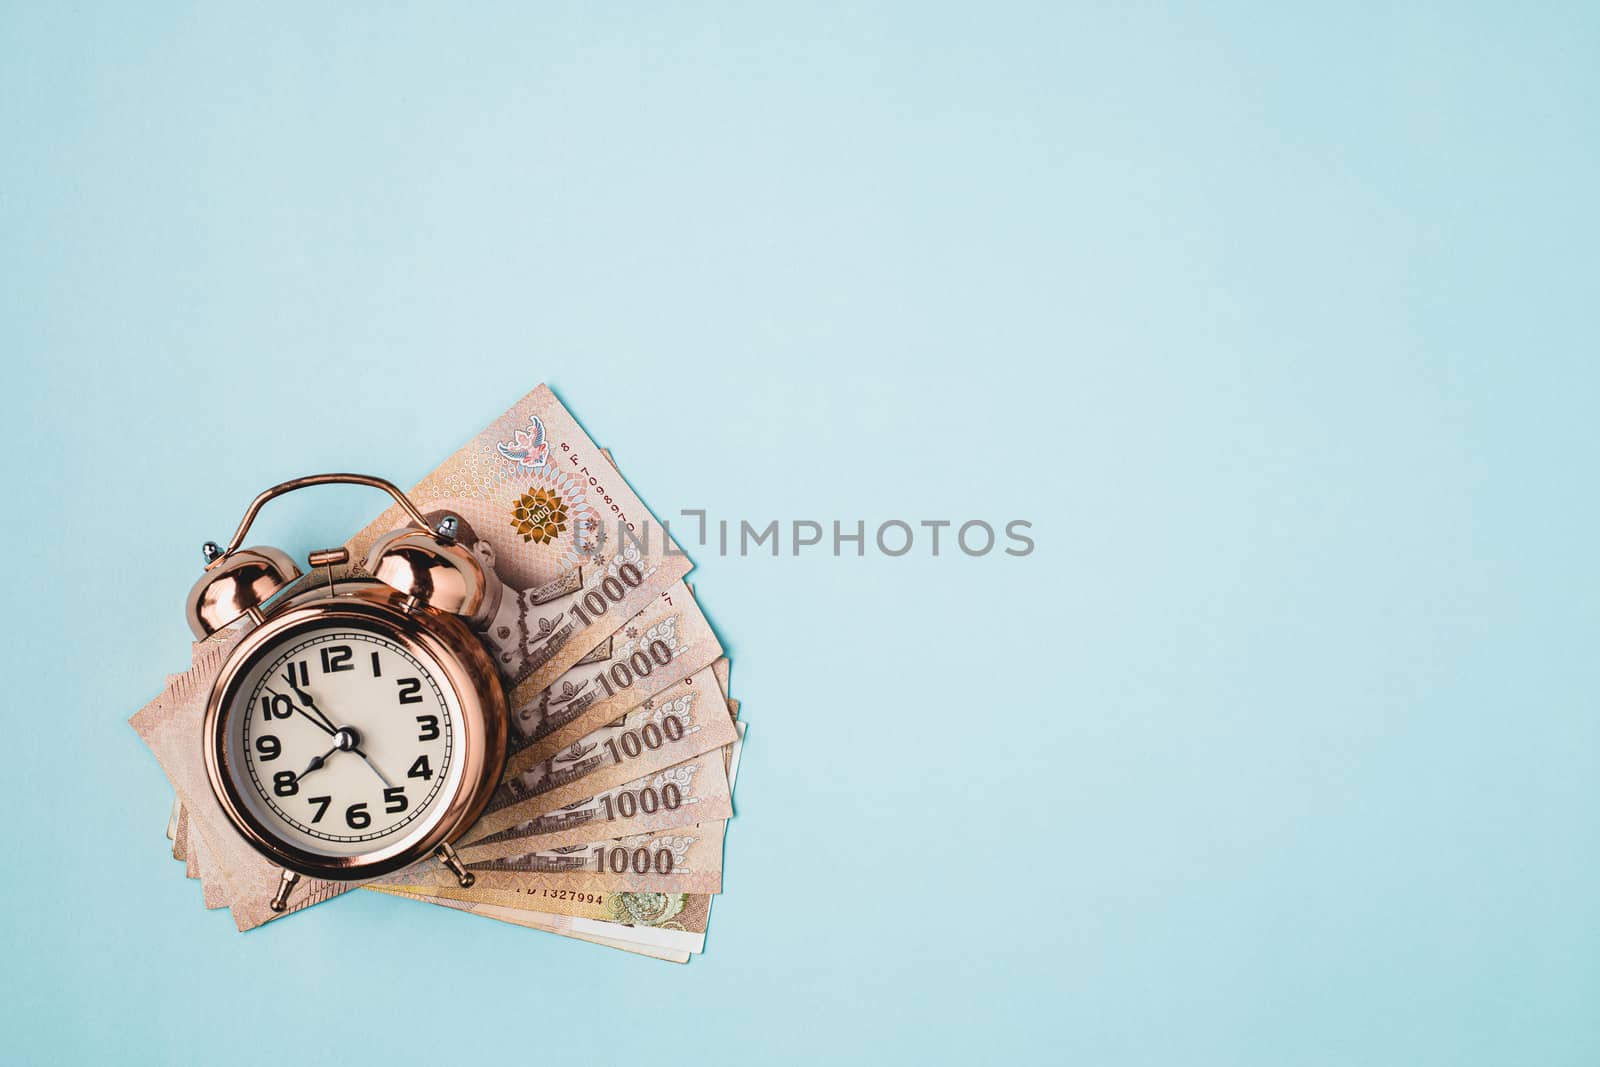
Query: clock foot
[[448, 857], [286, 883]]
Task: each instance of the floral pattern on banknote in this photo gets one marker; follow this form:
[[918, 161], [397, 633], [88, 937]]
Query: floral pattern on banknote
[[682, 707], [681, 776], [677, 844], [665, 631], [646, 909]]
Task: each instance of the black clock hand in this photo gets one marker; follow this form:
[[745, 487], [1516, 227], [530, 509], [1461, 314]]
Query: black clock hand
[[318, 723], [316, 763], [305, 698], [343, 734]]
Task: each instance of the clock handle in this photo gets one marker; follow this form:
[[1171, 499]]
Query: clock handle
[[214, 556]]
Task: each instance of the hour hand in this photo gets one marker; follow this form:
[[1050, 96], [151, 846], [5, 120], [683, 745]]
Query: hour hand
[[316, 763]]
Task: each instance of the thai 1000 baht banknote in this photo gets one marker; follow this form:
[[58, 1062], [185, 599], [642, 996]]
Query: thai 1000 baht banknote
[[663, 644], [213, 891], [180, 838], [672, 920], [699, 789], [580, 929], [685, 860], [576, 551], [684, 721], [695, 790], [652, 916], [667, 921], [673, 916]]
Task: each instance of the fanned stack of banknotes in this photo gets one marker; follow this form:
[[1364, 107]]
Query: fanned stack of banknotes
[[549, 511]]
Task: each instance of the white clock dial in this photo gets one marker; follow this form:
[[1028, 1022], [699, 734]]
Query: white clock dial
[[342, 740]]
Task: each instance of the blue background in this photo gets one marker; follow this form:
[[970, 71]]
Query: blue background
[[1278, 323]]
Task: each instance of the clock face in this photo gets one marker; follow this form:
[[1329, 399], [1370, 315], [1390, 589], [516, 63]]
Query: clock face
[[342, 741]]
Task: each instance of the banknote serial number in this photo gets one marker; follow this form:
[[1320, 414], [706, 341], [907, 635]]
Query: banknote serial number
[[566, 894], [597, 485]]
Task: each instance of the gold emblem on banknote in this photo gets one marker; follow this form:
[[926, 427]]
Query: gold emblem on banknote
[[539, 515]]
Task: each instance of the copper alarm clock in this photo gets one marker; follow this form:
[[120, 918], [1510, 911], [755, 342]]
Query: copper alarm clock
[[360, 724]]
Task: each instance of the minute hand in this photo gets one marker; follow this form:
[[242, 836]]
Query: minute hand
[[305, 698], [368, 760]]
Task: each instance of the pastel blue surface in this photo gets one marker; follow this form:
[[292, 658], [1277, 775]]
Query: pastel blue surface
[[1278, 325]]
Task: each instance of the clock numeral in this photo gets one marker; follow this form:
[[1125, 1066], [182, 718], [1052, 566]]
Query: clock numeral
[[322, 807], [296, 674], [356, 816], [420, 769], [286, 783], [394, 800], [377, 668], [276, 706], [336, 658], [430, 727], [268, 748], [410, 690]]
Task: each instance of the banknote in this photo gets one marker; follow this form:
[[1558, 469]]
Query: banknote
[[736, 750], [695, 790], [191, 853], [668, 955], [685, 720], [662, 645], [675, 921], [685, 860], [212, 891], [577, 552], [171, 726], [652, 915], [665, 920], [554, 924], [180, 837]]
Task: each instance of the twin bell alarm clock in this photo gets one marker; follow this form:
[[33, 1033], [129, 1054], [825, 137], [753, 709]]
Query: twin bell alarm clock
[[359, 726]]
